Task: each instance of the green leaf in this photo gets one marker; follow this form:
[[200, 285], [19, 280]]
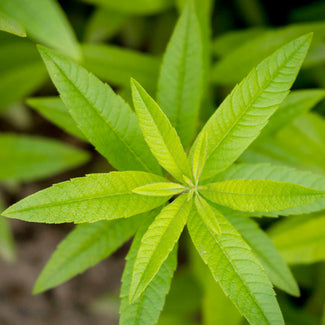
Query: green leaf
[[300, 144], [135, 7], [84, 247], [88, 199], [11, 26], [306, 134], [145, 310], [21, 69], [296, 104], [237, 270], [260, 195], [244, 113], [279, 174], [157, 243], [235, 65], [262, 246], [24, 157], [53, 109], [44, 21], [184, 285], [103, 117], [269, 150], [180, 82], [160, 189], [208, 214], [199, 156], [227, 42], [301, 239], [103, 24], [204, 10], [315, 57], [161, 137], [7, 245], [117, 65], [312, 125], [171, 319], [217, 308]]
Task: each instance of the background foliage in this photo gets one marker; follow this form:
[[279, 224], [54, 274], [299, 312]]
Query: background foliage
[[117, 40]]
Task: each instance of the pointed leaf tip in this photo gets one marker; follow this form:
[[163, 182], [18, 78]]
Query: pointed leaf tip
[[105, 119], [78, 200], [157, 243], [243, 114], [159, 134], [260, 195], [181, 75]]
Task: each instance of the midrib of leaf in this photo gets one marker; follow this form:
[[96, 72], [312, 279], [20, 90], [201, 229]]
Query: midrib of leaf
[[49, 205], [139, 301], [103, 118], [238, 273], [159, 244], [161, 135], [252, 101], [174, 218], [259, 194]]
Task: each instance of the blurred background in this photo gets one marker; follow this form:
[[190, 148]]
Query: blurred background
[[120, 40]]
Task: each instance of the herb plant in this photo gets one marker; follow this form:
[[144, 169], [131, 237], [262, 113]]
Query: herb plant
[[160, 189]]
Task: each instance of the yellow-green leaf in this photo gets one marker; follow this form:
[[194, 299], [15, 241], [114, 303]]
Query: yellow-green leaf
[[103, 117], [199, 155], [147, 308], [243, 114], [301, 239], [260, 195], [237, 270], [11, 26], [161, 137], [208, 214], [159, 189], [157, 243], [88, 199]]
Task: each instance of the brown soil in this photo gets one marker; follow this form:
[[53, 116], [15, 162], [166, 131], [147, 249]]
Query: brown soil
[[68, 304]]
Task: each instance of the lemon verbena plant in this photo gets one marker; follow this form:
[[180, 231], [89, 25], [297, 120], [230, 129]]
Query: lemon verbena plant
[[159, 188]]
